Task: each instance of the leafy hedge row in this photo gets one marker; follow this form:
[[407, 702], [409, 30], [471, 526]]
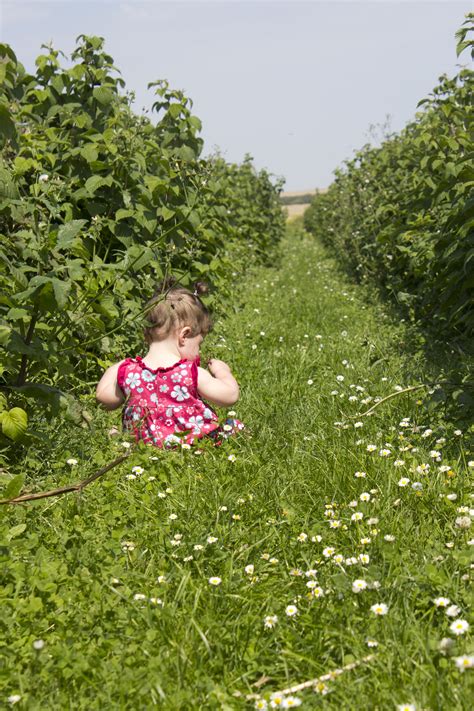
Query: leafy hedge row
[[402, 214], [96, 205]]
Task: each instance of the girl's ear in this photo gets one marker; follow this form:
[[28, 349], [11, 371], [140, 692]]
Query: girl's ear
[[183, 334]]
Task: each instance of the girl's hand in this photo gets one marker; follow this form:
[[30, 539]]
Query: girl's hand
[[218, 367]]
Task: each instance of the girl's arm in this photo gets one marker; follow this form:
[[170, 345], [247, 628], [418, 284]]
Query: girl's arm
[[108, 392], [222, 389]]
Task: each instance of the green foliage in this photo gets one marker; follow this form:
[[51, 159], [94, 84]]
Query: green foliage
[[96, 205], [402, 215]]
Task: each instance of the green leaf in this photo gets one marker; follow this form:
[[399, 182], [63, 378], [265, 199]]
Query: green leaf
[[14, 423], [103, 95], [14, 487], [61, 292], [68, 232], [7, 126], [89, 152], [16, 530], [5, 332], [167, 213]]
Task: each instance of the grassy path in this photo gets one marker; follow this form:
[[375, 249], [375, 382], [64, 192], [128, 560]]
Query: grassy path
[[115, 582]]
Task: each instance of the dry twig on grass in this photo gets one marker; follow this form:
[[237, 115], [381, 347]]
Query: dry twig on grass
[[79, 486]]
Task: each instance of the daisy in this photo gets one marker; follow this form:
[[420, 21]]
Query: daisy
[[215, 580], [231, 457], [385, 452], [249, 569], [302, 537], [404, 481], [364, 496], [459, 626], [380, 608], [453, 611], [290, 702], [270, 621], [291, 610], [406, 707], [71, 462], [464, 662], [357, 516], [358, 585], [371, 447], [441, 601], [360, 475]]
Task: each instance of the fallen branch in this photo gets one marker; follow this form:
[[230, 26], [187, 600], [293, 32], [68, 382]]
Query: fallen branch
[[384, 399], [79, 486], [325, 677]]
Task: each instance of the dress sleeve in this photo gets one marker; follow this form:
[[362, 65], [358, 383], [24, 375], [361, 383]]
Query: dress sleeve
[[122, 372]]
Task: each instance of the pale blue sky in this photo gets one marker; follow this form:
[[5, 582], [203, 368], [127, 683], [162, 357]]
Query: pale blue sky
[[295, 84]]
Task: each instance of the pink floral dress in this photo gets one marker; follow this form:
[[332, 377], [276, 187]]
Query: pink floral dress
[[164, 402]]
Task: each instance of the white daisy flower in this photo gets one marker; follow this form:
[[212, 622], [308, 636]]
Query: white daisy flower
[[291, 610], [215, 580], [380, 608], [270, 621], [466, 661], [358, 585], [459, 627]]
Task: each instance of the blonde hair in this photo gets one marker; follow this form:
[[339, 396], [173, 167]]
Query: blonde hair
[[172, 306]]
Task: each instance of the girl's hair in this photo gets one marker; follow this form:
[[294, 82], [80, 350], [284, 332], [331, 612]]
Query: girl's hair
[[172, 306]]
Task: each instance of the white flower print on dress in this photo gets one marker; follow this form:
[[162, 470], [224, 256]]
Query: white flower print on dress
[[207, 413], [133, 380], [147, 376], [164, 388], [180, 393], [196, 423], [154, 397], [176, 377]]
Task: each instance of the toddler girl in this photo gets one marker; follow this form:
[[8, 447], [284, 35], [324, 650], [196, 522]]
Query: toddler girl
[[162, 391]]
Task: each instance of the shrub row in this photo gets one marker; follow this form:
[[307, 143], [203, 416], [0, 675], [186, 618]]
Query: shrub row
[[402, 215]]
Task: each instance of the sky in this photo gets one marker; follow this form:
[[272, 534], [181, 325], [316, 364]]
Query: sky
[[296, 84]]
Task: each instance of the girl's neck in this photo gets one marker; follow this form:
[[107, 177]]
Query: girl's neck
[[162, 354]]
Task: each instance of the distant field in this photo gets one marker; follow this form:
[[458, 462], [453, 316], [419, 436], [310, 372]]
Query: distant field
[[295, 207]]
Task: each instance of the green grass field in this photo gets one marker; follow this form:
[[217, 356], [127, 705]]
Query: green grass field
[[106, 601]]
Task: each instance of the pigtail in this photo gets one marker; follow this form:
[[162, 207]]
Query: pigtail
[[200, 288]]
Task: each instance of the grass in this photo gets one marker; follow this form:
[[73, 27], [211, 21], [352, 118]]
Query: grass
[[71, 576]]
